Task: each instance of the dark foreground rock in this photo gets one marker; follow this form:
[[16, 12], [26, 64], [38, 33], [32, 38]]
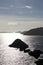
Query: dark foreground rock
[[19, 44], [35, 53], [39, 62]]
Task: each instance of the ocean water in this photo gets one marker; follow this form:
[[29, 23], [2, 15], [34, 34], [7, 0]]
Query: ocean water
[[12, 56]]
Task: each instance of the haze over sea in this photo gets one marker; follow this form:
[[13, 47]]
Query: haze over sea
[[13, 24], [12, 56]]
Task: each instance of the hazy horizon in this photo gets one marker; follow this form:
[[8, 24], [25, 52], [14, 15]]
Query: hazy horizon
[[9, 24]]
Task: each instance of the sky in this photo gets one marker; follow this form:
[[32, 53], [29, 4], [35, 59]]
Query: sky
[[20, 14], [22, 8]]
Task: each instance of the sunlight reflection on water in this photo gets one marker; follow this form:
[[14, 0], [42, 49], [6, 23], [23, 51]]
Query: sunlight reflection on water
[[12, 56]]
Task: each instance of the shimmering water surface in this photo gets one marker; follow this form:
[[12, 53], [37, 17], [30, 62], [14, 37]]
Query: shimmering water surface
[[12, 56]]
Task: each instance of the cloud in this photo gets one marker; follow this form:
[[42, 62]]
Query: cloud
[[11, 5], [12, 23], [4, 8], [29, 7]]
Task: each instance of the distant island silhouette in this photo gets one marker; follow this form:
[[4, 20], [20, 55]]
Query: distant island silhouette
[[35, 31]]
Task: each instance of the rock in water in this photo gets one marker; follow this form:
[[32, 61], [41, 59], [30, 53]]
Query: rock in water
[[19, 44], [39, 62], [36, 53]]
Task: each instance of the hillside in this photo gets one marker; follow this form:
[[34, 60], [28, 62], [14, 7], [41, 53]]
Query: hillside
[[36, 31]]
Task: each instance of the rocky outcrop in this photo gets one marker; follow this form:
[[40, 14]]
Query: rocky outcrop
[[35, 53], [39, 62], [19, 44]]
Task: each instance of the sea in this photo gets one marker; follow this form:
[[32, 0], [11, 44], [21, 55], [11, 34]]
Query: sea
[[13, 56]]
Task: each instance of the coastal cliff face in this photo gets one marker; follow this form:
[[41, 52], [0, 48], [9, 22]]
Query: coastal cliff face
[[36, 31]]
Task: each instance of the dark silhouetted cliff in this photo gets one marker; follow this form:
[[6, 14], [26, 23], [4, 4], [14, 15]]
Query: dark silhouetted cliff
[[36, 31]]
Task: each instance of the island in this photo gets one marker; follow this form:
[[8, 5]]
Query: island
[[35, 31]]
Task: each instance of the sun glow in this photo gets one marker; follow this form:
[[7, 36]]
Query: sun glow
[[8, 38]]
